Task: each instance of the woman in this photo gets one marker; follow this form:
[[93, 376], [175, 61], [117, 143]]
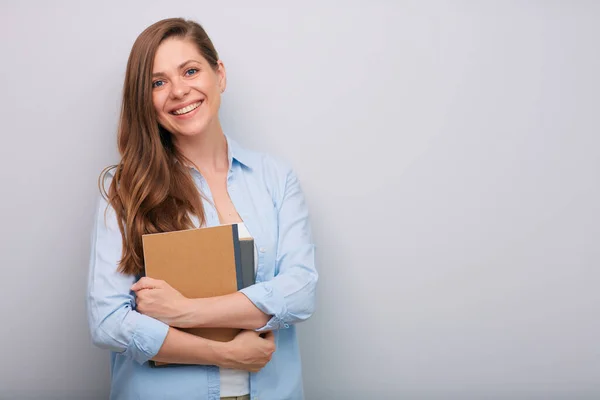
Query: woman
[[179, 171]]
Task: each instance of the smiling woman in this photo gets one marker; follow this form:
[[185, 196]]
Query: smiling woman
[[178, 170]]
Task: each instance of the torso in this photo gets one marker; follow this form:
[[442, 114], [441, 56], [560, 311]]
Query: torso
[[225, 208]]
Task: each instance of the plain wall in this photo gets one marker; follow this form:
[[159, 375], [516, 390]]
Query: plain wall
[[449, 152]]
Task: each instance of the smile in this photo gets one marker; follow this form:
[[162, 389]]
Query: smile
[[187, 109]]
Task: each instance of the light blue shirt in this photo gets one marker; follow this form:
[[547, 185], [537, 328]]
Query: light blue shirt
[[268, 197]]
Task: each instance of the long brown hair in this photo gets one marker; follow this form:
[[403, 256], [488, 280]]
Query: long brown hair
[[152, 189]]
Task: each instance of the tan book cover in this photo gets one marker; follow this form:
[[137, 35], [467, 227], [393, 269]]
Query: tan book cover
[[202, 262]]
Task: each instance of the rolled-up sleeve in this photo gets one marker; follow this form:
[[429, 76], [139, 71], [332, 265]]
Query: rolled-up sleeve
[[290, 296], [114, 323]]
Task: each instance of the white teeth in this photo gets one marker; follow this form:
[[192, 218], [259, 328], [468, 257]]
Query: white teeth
[[187, 109]]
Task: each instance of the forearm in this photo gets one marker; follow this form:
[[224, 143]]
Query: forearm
[[289, 298], [230, 311], [184, 348]]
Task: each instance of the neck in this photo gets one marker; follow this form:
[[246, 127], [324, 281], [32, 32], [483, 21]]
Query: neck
[[207, 151]]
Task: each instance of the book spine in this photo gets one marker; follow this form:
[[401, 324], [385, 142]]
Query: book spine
[[238, 257]]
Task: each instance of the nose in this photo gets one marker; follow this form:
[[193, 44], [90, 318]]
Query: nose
[[179, 88]]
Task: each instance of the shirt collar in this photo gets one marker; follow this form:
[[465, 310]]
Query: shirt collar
[[238, 153]]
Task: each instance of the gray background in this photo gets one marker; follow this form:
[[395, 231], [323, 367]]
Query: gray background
[[449, 152]]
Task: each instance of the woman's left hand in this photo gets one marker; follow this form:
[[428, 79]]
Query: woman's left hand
[[157, 299]]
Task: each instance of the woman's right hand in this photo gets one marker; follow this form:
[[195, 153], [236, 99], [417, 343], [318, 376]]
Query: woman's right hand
[[249, 351]]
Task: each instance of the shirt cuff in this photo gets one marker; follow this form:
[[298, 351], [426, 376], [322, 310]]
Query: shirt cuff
[[270, 302], [148, 337]]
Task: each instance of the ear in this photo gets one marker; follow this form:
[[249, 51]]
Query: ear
[[222, 76]]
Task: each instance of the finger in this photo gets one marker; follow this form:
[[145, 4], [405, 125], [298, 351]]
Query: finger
[[270, 336], [142, 294], [139, 305], [145, 283]]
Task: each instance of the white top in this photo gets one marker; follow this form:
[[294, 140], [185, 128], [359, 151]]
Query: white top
[[235, 382]]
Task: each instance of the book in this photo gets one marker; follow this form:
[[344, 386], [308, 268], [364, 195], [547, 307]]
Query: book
[[202, 262]]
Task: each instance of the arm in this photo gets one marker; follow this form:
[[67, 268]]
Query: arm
[[158, 299], [289, 297], [247, 351], [224, 311], [184, 348], [114, 324]]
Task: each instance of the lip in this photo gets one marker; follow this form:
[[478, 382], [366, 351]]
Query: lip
[[188, 115]]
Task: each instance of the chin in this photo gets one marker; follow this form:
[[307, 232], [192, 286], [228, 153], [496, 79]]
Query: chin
[[189, 131]]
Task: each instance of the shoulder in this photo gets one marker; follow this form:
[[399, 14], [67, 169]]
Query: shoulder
[[268, 170], [273, 165], [272, 168]]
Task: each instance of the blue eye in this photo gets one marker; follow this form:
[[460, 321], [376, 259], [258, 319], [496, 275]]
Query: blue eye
[[156, 84], [191, 71]]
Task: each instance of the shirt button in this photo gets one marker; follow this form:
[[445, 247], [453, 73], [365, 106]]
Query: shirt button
[[262, 249]]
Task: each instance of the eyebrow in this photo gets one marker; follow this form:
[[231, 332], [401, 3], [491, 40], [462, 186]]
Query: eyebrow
[[156, 74]]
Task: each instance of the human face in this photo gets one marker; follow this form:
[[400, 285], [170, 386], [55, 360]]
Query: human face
[[186, 89]]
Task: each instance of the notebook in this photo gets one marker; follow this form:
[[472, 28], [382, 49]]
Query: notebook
[[202, 262]]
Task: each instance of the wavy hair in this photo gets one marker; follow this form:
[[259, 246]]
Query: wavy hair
[[151, 190]]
